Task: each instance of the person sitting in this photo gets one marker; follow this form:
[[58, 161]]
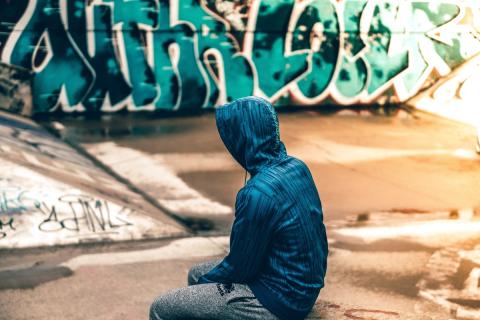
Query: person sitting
[[278, 244]]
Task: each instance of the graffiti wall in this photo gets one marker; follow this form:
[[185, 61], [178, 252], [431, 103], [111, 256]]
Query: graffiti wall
[[112, 55]]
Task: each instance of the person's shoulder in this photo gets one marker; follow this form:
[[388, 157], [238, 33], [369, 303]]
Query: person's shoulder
[[252, 195], [300, 165], [272, 180], [254, 188], [261, 185], [297, 162]]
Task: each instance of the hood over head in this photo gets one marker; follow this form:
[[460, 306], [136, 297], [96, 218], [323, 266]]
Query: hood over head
[[249, 129]]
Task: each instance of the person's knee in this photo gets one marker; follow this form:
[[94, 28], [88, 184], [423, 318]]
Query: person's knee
[[198, 270], [155, 310], [193, 275]]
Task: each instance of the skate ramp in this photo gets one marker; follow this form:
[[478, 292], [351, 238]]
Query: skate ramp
[[51, 194]]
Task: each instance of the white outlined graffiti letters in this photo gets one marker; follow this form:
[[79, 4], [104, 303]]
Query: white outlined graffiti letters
[[62, 75], [109, 55], [84, 214]]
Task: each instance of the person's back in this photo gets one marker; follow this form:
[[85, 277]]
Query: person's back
[[278, 245], [297, 261]]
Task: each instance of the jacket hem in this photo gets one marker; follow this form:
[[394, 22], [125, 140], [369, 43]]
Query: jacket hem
[[274, 304]]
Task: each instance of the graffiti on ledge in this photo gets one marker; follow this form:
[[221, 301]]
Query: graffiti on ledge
[[75, 213], [109, 55]]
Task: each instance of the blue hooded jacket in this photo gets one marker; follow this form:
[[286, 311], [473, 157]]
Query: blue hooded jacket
[[278, 244]]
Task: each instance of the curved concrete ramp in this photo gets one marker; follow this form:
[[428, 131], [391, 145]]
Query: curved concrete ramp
[[52, 195]]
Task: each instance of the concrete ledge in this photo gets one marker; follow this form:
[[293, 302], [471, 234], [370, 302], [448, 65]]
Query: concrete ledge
[[51, 195]]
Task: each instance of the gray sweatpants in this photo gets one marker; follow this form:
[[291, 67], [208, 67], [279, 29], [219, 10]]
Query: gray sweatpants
[[208, 301]]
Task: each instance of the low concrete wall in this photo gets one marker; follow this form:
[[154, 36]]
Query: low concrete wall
[[52, 195]]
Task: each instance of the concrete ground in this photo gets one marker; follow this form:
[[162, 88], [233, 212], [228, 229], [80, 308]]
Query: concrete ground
[[359, 163], [399, 194]]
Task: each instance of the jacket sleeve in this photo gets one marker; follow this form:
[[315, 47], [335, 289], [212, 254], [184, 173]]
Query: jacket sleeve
[[249, 240]]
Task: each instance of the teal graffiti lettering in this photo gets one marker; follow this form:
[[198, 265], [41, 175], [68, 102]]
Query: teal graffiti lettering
[[178, 71], [229, 73], [318, 31], [352, 75], [133, 17], [45, 47], [275, 69], [384, 64], [108, 78]]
